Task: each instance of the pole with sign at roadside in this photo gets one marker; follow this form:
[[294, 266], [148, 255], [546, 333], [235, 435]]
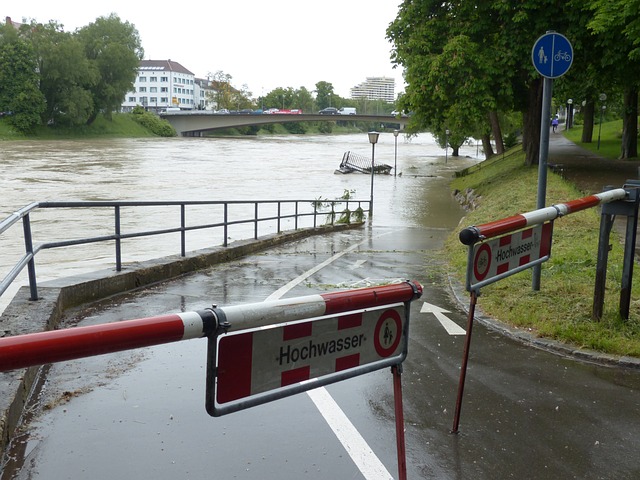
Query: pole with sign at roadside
[[552, 56]]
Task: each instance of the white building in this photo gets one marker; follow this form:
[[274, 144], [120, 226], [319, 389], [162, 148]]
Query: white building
[[161, 84], [375, 88]]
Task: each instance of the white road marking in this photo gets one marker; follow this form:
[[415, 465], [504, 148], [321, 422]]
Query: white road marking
[[358, 264], [356, 446], [449, 325]]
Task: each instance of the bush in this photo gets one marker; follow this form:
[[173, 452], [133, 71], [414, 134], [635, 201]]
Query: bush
[[153, 123]]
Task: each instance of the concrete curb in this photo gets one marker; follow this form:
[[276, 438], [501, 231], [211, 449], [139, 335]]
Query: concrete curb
[[458, 291], [57, 296]]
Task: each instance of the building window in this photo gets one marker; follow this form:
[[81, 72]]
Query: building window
[[153, 89], [153, 99], [164, 89], [164, 99], [132, 99], [164, 79], [143, 89], [143, 79], [153, 79]]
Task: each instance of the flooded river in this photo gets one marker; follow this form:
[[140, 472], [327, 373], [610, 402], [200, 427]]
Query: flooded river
[[238, 168]]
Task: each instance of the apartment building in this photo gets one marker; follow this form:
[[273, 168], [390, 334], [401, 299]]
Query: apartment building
[[375, 88], [162, 84]]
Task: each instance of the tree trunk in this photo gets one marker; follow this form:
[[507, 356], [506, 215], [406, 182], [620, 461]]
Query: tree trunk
[[587, 127], [531, 123], [486, 146], [630, 124], [456, 151], [497, 133]]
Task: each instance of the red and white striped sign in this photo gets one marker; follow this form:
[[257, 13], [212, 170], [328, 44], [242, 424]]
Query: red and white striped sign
[[251, 362], [509, 254]]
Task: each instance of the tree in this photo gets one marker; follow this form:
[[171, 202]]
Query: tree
[[114, 51], [66, 76], [222, 86], [617, 24], [19, 92], [324, 95], [500, 32]]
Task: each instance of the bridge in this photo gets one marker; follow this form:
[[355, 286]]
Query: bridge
[[193, 122]]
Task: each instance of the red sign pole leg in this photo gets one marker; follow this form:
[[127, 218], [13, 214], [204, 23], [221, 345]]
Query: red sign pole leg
[[465, 359], [397, 396]]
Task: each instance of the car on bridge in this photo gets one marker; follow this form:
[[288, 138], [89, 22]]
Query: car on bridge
[[329, 111]]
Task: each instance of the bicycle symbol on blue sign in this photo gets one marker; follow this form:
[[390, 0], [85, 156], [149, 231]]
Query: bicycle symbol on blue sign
[[552, 55]]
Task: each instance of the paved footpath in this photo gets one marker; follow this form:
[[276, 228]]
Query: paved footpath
[[589, 171]]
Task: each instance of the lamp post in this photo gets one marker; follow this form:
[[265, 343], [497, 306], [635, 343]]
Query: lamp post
[[373, 139], [446, 145], [569, 105], [395, 155], [603, 107]]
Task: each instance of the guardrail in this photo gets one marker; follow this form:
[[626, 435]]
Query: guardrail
[[258, 213]]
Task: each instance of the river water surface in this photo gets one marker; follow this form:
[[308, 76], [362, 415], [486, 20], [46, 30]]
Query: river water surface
[[238, 168]]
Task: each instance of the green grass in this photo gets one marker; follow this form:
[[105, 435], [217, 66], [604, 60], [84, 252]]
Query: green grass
[[561, 309], [120, 126], [610, 139]]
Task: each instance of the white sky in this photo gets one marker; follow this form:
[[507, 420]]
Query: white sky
[[263, 44]]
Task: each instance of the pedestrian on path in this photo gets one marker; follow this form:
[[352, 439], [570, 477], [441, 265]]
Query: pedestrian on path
[[554, 123]]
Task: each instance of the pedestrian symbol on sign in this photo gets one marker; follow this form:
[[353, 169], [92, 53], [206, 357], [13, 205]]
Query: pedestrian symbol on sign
[[542, 58]]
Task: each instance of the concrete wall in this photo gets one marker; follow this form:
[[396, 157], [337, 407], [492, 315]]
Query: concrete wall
[[56, 296]]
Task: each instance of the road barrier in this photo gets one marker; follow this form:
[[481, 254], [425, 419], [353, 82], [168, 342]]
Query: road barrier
[[504, 247], [66, 344], [258, 352]]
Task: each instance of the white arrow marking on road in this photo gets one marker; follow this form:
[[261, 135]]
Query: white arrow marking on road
[[358, 264], [449, 325]]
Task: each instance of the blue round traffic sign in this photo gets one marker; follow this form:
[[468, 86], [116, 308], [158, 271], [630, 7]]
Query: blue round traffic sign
[[552, 55]]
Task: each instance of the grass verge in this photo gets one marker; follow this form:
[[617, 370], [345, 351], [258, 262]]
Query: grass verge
[[561, 310]]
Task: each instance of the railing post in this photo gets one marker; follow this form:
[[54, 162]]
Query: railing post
[[279, 213], [118, 244], [31, 266], [296, 217], [315, 214], [255, 220], [183, 240], [226, 224]]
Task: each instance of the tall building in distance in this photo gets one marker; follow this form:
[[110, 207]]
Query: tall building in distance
[[376, 88]]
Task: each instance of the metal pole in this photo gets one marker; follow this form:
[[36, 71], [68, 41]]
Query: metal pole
[[465, 360], [395, 156], [547, 92], [400, 444], [373, 151]]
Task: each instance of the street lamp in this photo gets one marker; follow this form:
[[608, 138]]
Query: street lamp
[[603, 98], [446, 145], [395, 156], [569, 104], [373, 139]]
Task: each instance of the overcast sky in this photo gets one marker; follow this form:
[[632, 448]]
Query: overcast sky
[[263, 44]]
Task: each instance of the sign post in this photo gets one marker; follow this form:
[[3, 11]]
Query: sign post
[[552, 56]]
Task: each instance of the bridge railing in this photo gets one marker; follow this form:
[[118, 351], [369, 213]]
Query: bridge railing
[[247, 218]]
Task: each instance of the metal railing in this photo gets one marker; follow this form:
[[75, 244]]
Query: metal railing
[[268, 214]]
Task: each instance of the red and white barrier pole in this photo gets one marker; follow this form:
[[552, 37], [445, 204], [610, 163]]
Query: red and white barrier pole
[[59, 345], [471, 235]]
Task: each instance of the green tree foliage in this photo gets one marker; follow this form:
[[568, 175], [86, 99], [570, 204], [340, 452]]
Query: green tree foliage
[[617, 26], [114, 51], [325, 97], [485, 49], [66, 76], [19, 92], [153, 123]]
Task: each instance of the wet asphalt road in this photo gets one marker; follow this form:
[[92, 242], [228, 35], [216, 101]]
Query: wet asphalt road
[[526, 413]]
